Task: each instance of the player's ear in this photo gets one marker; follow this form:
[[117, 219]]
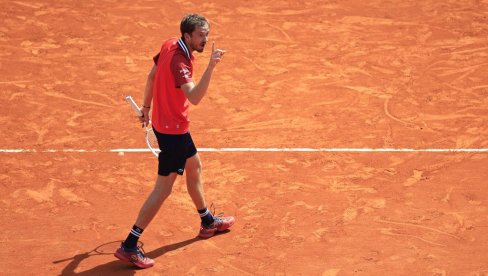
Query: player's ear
[[187, 36]]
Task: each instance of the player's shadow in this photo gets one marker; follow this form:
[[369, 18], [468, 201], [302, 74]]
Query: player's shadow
[[117, 267]]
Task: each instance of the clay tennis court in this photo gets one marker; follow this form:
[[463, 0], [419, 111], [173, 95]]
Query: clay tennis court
[[354, 82]]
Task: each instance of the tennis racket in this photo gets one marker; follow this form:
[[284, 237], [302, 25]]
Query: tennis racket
[[151, 140]]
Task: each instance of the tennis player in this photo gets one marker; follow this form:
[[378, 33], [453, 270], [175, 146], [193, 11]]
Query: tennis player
[[170, 88]]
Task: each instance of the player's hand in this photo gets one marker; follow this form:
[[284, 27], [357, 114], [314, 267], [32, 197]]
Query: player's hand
[[216, 55], [145, 116]]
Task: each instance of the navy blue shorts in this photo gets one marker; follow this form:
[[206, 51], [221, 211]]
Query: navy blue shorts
[[175, 149]]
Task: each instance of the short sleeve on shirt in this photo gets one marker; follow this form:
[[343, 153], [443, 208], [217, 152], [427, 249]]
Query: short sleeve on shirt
[[156, 58], [182, 70]]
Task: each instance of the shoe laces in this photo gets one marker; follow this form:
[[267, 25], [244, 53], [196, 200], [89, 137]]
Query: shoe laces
[[140, 252], [218, 216]]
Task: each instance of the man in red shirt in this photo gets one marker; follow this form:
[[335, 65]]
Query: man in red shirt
[[171, 89]]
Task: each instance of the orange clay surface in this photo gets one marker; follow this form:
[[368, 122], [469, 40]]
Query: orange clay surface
[[318, 74]]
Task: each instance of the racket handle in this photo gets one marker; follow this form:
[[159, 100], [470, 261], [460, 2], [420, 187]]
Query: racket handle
[[134, 105]]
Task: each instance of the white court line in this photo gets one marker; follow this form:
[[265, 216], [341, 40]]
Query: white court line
[[337, 150], [258, 150]]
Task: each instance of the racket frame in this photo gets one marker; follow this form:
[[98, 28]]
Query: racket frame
[[149, 130]]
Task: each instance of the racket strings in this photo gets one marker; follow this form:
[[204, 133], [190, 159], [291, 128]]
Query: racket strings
[[152, 139]]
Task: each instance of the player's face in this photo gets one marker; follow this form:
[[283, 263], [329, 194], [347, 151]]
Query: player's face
[[199, 38]]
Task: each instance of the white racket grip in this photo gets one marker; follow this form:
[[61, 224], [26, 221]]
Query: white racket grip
[[134, 105]]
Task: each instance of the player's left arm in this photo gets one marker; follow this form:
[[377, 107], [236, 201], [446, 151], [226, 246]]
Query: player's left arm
[[195, 93]]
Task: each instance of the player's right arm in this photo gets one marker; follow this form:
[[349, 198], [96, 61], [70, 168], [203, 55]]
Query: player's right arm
[[148, 95]]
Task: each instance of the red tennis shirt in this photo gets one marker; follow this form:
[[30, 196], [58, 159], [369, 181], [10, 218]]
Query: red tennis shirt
[[170, 104]]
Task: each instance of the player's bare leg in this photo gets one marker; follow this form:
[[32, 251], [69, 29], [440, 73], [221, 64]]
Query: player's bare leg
[[210, 224], [161, 191], [194, 185], [128, 250]]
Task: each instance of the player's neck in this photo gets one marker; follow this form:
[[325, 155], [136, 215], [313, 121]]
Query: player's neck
[[190, 49]]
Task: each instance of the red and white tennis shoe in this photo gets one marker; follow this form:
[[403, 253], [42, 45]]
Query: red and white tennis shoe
[[135, 256], [220, 224]]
